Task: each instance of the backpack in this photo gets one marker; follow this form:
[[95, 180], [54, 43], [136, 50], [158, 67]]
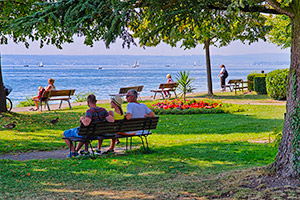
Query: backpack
[[225, 74]]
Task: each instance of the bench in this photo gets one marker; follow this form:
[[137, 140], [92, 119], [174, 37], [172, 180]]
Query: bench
[[237, 84], [56, 95], [170, 87], [138, 127], [123, 91]]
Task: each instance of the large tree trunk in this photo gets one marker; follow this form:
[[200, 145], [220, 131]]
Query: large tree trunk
[[284, 160], [2, 93], [208, 67]]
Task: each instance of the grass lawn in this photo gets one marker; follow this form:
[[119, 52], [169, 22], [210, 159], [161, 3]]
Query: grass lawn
[[200, 156]]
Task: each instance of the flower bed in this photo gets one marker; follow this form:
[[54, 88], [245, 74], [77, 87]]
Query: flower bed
[[178, 106]]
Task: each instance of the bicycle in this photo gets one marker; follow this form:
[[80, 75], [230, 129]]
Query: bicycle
[[9, 104]]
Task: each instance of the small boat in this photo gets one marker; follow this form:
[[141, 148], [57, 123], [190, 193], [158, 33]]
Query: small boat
[[167, 65], [99, 67], [26, 65], [195, 64], [137, 64], [41, 64]]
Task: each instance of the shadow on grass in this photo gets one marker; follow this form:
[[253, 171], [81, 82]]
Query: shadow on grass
[[142, 172]]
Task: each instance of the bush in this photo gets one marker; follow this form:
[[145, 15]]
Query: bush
[[250, 79], [26, 103], [276, 83], [260, 84]]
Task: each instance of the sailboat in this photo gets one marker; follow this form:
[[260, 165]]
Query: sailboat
[[137, 64], [41, 64]]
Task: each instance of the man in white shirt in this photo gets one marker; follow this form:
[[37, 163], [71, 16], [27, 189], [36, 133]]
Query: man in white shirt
[[135, 109]]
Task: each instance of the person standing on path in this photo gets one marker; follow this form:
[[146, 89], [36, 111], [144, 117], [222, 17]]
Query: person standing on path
[[223, 75]]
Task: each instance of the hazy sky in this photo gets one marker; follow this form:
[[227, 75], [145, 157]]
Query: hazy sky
[[78, 48]]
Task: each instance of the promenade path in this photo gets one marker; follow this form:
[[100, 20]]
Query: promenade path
[[62, 153]]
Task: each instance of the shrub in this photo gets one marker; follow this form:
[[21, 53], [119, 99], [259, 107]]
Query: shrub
[[26, 103], [250, 79], [276, 83], [260, 84]]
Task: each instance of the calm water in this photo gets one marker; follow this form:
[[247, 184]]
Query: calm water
[[82, 73]]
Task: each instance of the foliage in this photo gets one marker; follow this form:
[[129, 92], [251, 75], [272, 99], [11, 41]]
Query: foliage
[[282, 30], [26, 103], [276, 83], [260, 84], [250, 79], [82, 96], [277, 133], [185, 83], [295, 127]]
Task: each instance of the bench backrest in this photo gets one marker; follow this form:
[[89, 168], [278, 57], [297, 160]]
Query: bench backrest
[[125, 89], [235, 81], [168, 85], [58, 93], [107, 128]]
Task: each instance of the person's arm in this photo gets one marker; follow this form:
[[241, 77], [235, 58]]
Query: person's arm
[[128, 116], [150, 114], [109, 118], [85, 120], [111, 113], [48, 88]]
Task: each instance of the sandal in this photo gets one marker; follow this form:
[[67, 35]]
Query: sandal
[[33, 109]]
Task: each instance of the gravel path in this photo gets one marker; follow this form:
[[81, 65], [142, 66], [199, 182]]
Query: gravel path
[[57, 154]]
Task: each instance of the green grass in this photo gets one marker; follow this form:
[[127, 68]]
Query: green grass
[[202, 155]]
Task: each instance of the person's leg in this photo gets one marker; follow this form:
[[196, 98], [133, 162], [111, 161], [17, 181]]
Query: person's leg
[[71, 133], [98, 150], [36, 102], [112, 144]]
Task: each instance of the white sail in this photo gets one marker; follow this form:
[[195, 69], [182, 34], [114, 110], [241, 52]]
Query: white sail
[[136, 64], [41, 64]]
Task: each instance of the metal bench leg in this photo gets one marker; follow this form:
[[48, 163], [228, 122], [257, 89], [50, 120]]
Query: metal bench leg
[[60, 104], [126, 143], [154, 95], [48, 105], [162, 94], [143, 142], [69, 104], [92, 149], [147, 143], [130, 142]]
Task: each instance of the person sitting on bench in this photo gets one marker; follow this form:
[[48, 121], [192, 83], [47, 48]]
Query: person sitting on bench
[[118, 114], [135, 109], [41, 91], [95, 113]]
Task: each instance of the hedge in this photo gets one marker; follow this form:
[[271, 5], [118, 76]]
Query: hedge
[[260, 84], [276, 83], [250, 79]]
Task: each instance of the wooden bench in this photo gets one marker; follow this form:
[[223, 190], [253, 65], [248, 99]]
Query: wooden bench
[[165, 87], [237, 84], [138, 127], [56, 95], [123, 91]]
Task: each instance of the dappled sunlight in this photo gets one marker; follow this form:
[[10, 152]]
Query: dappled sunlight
[[128, 194]]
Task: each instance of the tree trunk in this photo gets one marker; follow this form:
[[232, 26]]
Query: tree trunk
[[2, 93], [208, 67], [284, 166]]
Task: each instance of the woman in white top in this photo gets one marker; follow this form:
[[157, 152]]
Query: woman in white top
[[41, 91]]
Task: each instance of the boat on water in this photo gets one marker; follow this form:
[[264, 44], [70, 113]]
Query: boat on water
[[41, 64], [26, 65], [167, 65], [99, 67], [137, 64]]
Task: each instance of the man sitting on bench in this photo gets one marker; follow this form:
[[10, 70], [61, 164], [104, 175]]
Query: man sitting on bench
[[95, 113], [135, 109]]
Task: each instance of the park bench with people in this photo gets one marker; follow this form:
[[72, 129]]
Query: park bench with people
[[55, 95], [237, 84], [166, 87], [137, 127], [124, 90]]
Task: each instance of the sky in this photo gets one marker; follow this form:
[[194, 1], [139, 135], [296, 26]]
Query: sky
[[78, 48]]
